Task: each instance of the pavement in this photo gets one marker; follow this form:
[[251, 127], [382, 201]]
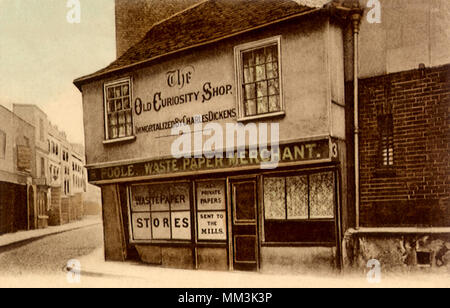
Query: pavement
[[14, 239], [94, 271]]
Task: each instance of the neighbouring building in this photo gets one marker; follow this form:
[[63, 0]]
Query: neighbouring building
[[60, 189], [343, 191], [19, 209]]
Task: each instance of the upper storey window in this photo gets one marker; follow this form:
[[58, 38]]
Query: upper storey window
[[259, 79], [118, 111]]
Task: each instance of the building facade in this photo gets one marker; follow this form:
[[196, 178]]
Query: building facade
[[18, 202], [226, 140], [59, 198]]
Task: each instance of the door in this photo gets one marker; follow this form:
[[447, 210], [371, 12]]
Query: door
[[244, 224]]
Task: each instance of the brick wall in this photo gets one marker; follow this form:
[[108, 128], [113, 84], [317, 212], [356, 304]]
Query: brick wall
[[135, 18], [415, 192]]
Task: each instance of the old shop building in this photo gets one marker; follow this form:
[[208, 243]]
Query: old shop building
[[225, 62]]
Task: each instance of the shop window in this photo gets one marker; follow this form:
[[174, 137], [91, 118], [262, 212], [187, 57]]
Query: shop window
[[299, 208], [259, 79], [161, 212], [304, 197], [211, 211], [2, 144], [118, 111]]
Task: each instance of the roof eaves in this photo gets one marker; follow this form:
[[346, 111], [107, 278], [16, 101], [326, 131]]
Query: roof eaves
[[80, 81]]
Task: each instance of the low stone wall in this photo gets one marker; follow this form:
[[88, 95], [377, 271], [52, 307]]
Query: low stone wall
[[400, 250]]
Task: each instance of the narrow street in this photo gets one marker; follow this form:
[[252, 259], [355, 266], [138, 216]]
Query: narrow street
[[49, 255]]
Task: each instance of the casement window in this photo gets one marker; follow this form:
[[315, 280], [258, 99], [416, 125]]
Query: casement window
[[258, 67], [301, 197], [386, 133], [161, 212], [2, 144], [118, 110]]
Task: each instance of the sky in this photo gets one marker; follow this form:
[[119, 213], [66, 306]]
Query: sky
[[41, 53]]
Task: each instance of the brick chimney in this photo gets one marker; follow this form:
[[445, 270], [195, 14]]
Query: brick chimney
[[135, 17]]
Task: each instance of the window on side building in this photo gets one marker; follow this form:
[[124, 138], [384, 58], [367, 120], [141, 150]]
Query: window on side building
[[386, 141], [258, 67], [118, 110]]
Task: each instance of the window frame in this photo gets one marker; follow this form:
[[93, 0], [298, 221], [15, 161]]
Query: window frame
[[106, 85], [198, 211], [308, 174], [238, 59], [161, 241], [386, 141]]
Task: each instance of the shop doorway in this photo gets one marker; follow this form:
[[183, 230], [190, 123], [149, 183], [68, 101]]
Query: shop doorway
[[244, 225]]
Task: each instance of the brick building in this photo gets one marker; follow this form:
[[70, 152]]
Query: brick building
[[375, 185]]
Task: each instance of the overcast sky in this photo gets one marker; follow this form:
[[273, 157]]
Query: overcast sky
[[41, 54]]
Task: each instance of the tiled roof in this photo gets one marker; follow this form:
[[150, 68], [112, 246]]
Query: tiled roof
[[207, 22]]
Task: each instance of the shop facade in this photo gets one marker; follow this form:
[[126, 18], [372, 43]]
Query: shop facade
[[226, 153]]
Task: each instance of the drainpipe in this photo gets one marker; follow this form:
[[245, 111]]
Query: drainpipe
[[356, 21]]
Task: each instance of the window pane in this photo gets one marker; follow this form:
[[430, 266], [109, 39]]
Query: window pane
[[159, 197], [125, 90], [181, 225], [261, 89], [274, 103], [263, 105], [118, 105], [297, 197], [140, 198], [249, 75], [118, 91], [260, 72], [272, 70], [211, 195], [322, 195], [179, 196], [161, 225], [272, 54], [250, 107], [260, 57], [110, 93], [141, 224], [248, 59], [250, 91], [274, 198], [274, 87], [126, 103]]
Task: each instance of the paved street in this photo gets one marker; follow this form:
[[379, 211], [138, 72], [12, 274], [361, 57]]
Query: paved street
[[50, 254]]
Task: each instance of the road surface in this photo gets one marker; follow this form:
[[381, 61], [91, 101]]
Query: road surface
[[50, 254]]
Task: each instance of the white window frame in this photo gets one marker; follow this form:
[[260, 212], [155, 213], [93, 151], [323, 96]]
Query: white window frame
[[238, 52], [107, 140]]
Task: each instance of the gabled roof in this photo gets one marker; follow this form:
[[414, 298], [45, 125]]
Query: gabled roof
[[207, 22]]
